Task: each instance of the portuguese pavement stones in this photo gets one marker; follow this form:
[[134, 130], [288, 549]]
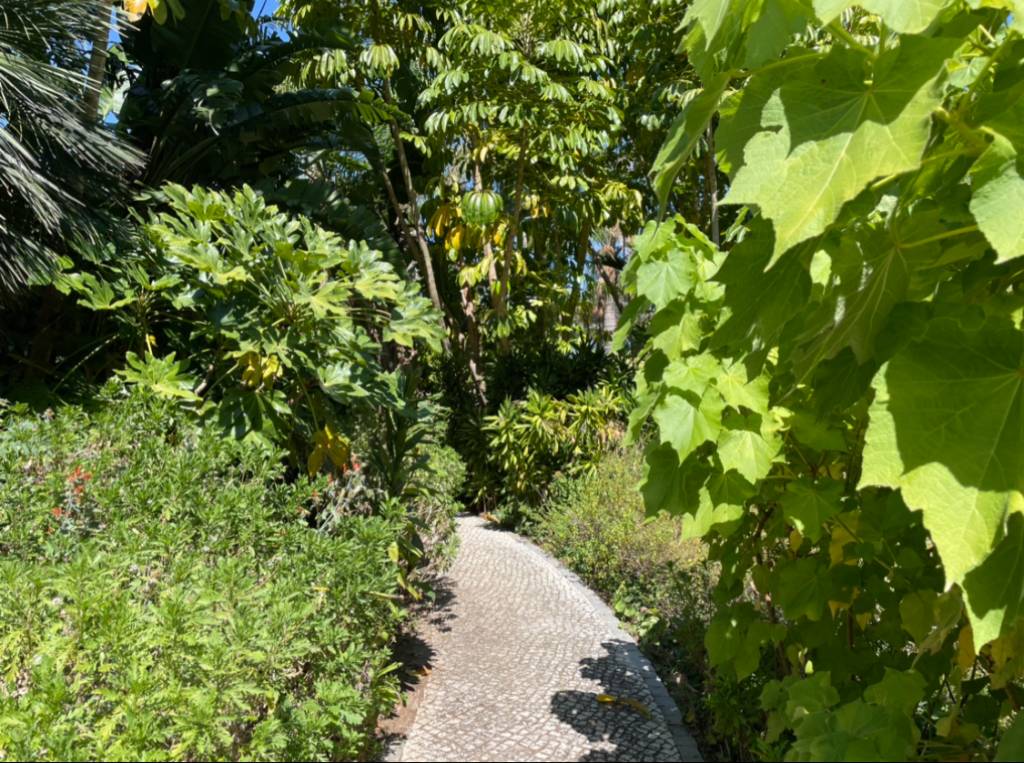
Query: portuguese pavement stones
[[521, 649]]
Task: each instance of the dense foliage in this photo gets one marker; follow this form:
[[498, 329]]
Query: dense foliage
[[165, 596], [375, 258], [837, 399]]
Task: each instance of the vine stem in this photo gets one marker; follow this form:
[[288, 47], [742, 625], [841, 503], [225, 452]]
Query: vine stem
[[839, 31], [968, 133], [733, 74], [988, 64], [941, 236]]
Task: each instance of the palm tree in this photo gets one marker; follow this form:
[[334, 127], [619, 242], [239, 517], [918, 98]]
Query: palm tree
[[57, 167]]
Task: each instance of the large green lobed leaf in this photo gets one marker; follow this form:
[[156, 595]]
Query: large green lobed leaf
[[833, 126], [947, 429]]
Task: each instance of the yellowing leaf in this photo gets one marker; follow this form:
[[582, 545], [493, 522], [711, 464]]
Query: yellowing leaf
[[632, 704], [440, 219], [250, 363], [135, 8], [271, 369], [840, 537], [498, 237], [946, 725], [838, 605], [965, 648], [454, 238], [328, 444]]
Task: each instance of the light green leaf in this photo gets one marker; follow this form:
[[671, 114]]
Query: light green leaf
[[165, 376], [997, 198], [776, 24], [668, 484], [692, 374], [729, 489], [739, 113], [871, 290], [743, 448], [1011, 746], [816, 433], [633, 310], [917, 613], [994, 591], [834, 126], [929, 617], [810, 696], [758, 303], [903, 16], [720, 505], [676, 329], [802, 588], [685, 421], [947, 429], [739, 391], [899, 690], [709, 14], [735, 637], [663, 280]]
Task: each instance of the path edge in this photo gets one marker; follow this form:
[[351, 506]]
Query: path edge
[[685, 744]]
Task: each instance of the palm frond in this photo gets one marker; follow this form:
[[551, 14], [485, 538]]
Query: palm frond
[[55, 168]]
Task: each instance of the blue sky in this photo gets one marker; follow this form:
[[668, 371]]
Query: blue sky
[[264, 7]]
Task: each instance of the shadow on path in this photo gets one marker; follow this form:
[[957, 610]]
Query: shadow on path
[[619, 731], [439, 611], [417, 658]]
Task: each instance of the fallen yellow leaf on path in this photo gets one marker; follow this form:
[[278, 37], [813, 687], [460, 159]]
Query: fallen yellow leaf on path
[[632, 704]]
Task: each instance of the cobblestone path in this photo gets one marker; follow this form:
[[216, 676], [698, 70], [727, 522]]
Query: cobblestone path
[[520, 652]]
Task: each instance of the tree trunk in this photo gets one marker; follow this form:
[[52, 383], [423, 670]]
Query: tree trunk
[[492, 270], [419, 250], [411, 216], [97, 67], [611, 312], [711, 184], [581, 263], [471, 345], [512, 238]]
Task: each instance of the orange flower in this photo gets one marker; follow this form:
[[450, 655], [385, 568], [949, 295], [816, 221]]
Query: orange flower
[[79, 475]]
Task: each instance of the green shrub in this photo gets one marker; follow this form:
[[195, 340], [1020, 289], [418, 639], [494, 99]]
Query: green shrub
[[165, 595], [282, 322], [529, 441], [437, 501], [596, 524]]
